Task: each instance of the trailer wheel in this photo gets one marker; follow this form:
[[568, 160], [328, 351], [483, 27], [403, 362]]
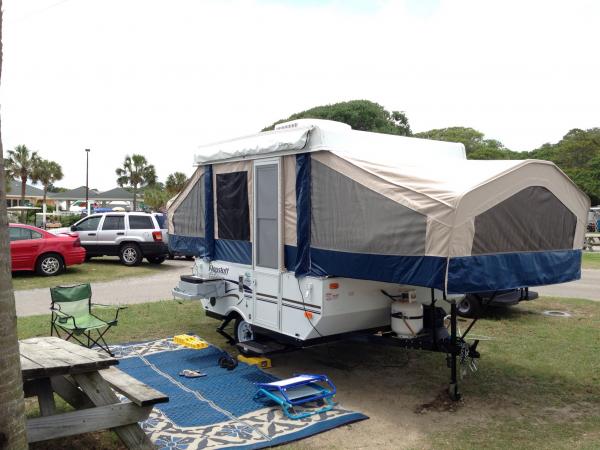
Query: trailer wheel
[[242, 331], [470, 306]]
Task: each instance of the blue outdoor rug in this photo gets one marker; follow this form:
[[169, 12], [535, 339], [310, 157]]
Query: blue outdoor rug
[[216, 411]]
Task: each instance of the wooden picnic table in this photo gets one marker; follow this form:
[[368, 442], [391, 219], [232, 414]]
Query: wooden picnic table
[[85, 379]]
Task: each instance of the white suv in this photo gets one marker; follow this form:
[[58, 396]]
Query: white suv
[[130, 236]]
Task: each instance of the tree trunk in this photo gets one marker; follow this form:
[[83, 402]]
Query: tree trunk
[[23, 186], [12, 405], [134, 197]]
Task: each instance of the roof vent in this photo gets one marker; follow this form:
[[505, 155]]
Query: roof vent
[[321, 123]]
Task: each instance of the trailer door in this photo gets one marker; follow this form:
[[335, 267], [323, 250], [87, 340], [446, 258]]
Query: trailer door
[[267, 243]]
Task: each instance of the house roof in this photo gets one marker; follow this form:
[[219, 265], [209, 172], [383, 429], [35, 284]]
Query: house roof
[[117, 193], [73, 194], [30, 191], [106, 196]]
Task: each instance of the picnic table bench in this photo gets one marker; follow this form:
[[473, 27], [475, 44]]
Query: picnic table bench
[[591, 240], [85, 379]]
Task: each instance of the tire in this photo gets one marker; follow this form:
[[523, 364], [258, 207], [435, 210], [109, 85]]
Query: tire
[[156, 259], [88, 258], [49, 265], [470, 306], [130, 254], [242, 332], [189, 258], [171, 256]]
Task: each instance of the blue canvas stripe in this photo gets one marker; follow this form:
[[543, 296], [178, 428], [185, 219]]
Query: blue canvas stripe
[[303, 214], [209, 212], [233, 251], [481, 273], [426, 271], [189, 245], [289, 257]]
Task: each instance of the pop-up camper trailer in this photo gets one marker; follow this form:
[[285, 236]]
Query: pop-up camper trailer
[[316, 231]]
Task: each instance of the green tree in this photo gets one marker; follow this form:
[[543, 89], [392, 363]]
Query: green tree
[[12, 405], [137, 173], [156, 199], [21, 162], [175, 183], [476, 146], [361, 115], [46, 172], [578, 155]]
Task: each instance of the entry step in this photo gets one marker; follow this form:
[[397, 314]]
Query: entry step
[[260, 348]]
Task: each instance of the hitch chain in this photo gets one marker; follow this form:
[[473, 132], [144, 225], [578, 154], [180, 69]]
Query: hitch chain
[[465, 360]]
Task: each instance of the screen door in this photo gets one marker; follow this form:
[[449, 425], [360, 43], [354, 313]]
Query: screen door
[[267, 239], [267, 298]]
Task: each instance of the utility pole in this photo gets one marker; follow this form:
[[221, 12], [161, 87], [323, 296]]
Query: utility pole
[[87, 186]]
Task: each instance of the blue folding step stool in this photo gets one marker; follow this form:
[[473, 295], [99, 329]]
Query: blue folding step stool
[[298, 391]]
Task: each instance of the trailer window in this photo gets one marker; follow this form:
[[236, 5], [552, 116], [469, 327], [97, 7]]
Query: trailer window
[[233, 212], [531, 220], [188, 218]]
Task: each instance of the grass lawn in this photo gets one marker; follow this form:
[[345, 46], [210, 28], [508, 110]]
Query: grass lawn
[[538, 385], [591, 260], [98, 269]]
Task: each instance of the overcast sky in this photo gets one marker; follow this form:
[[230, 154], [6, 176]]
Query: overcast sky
[[162, 77]]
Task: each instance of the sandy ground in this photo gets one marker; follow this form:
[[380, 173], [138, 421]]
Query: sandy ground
[[378, 383]]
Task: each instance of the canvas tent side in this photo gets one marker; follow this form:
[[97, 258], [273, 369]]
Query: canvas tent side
[[464, 226]]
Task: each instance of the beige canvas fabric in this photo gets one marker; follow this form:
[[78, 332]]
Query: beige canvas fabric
[[453, 194], [239, 166], [289, 199]]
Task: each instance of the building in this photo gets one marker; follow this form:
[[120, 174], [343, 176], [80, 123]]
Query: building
[[33, 195]]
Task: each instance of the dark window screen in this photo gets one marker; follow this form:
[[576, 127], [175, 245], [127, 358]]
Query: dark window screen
[[531, 220], [233, 213], [140, 223], [114, 223]]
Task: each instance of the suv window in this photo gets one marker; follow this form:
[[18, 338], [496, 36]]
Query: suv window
[[140, 223], [22, 234], [89, 224], [114, 223]]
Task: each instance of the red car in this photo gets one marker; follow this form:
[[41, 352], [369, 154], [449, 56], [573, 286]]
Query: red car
[[32, 248]]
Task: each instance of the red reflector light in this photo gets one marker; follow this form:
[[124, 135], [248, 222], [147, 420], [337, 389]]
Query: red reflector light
[[308, 315], [157, 235], [334, 285]]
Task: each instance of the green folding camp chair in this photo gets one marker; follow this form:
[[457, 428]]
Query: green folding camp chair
[[72, 313]]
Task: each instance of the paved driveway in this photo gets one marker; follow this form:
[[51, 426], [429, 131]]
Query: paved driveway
[[124, 291], [588, 287]]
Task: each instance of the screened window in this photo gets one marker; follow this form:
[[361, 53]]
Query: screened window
[[89, 224], [114, 223], [531, 220], [140, 223], [348, 216], [188, 218], [233, 213]]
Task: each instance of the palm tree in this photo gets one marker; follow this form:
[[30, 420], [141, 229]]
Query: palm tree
[[136, 172], [175, 183], [47, 173], [21, 162], [12, 405]]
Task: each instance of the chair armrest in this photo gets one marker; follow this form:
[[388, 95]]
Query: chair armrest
[[117, 308], [61, 315]]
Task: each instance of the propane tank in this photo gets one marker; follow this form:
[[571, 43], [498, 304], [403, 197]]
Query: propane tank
[[407, 315]]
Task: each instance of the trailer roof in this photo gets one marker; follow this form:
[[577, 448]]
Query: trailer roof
[[311, 135]]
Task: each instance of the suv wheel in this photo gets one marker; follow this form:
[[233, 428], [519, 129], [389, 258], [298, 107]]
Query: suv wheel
[[130, 254], [469, 306], [156, 259], [50, 264]]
